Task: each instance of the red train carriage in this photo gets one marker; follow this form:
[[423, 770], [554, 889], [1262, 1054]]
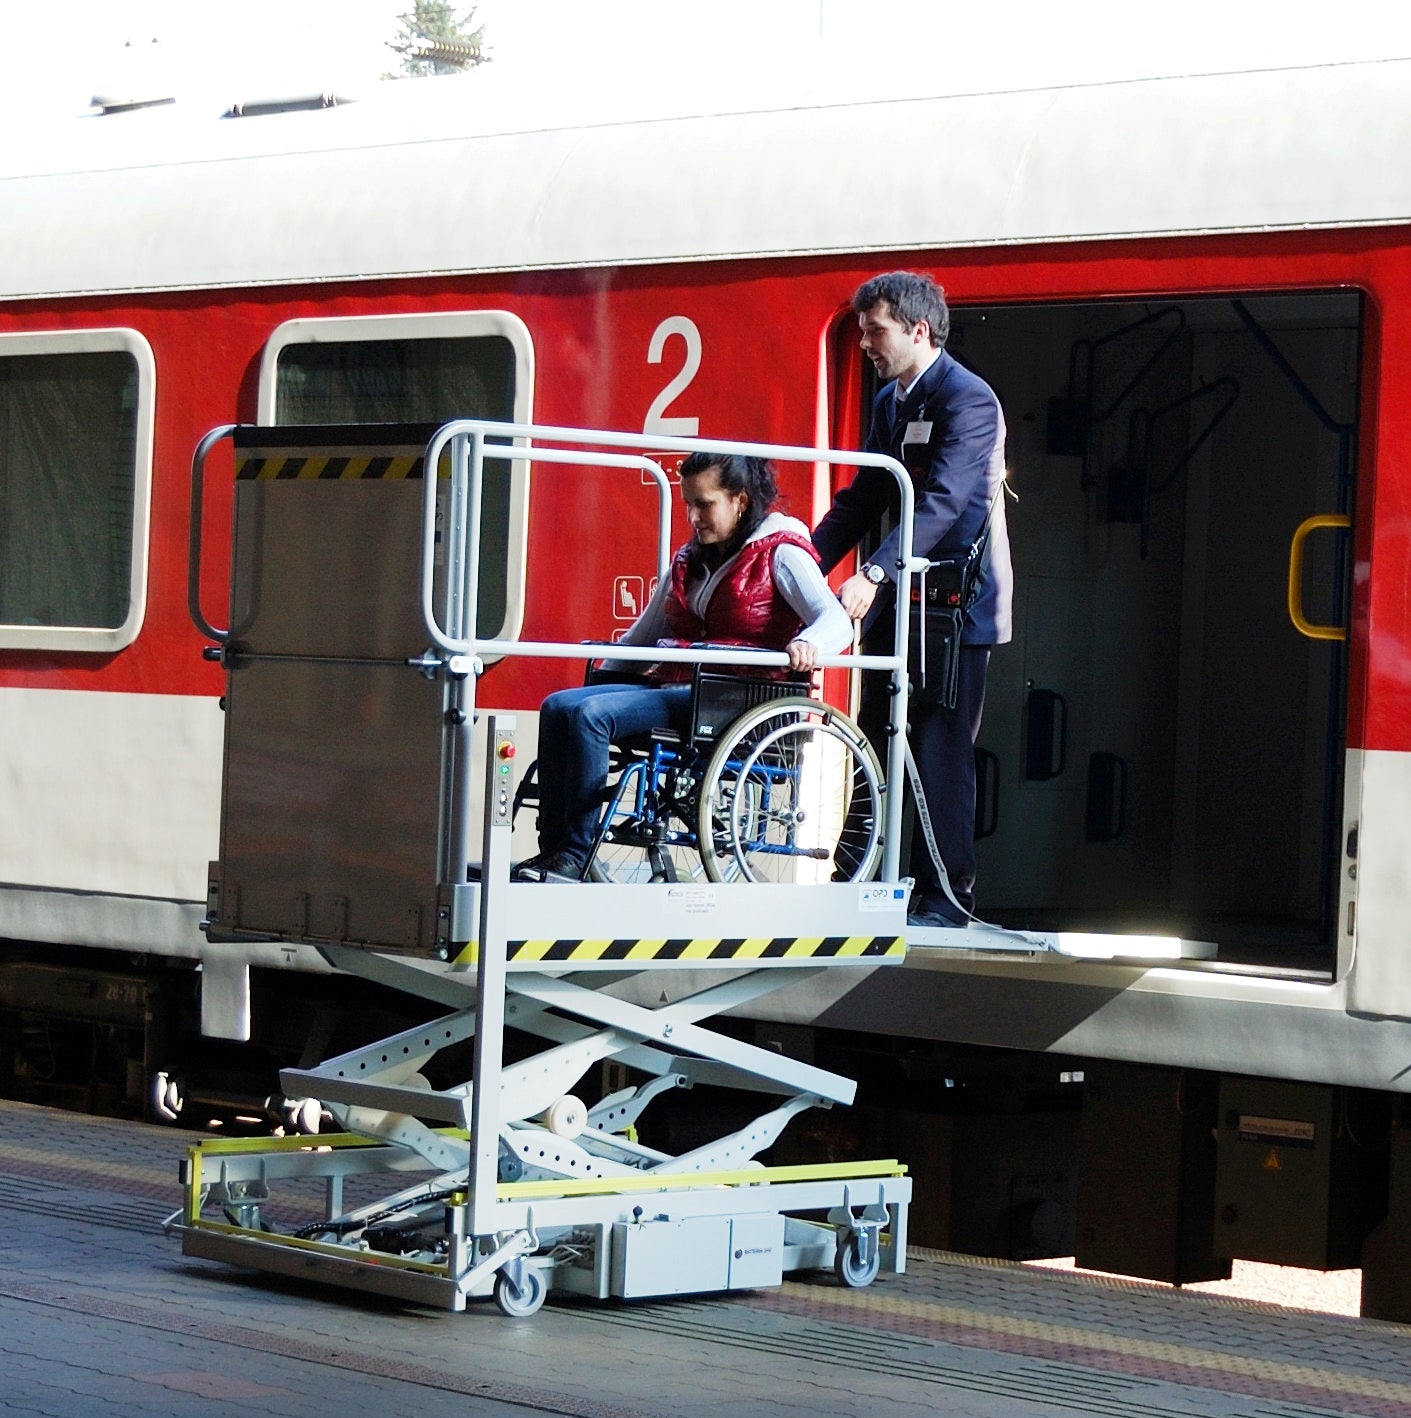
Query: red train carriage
[[1191, 298]]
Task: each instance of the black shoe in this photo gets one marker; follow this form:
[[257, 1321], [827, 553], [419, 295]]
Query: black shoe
[[935, 920], [556, 867], [933, 901]]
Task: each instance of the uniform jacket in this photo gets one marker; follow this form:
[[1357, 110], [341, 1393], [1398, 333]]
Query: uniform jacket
[[956, 474]]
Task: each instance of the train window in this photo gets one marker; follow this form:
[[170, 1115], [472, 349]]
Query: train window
[[421, 369], [75, 477]]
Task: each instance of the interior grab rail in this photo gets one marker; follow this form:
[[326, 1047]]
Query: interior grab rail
[[1312, 629]]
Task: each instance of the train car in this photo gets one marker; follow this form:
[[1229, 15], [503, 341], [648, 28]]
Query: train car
[[1191, 295]]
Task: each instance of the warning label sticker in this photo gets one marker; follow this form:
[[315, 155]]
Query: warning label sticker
[[696, 900], [1281, 1132]]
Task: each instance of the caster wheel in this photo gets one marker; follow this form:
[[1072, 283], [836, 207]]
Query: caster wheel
[[524, 1299], [850, 1269]]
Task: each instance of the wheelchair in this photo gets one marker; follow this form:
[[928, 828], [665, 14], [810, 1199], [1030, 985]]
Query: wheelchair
[[765, 785]]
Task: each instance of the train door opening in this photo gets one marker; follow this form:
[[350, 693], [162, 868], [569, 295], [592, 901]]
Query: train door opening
[[1163, 749]]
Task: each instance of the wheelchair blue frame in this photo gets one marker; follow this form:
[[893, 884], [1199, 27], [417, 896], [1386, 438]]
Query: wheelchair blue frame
[[668, 793]]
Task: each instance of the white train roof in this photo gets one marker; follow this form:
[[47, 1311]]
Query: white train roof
[[447, 177]]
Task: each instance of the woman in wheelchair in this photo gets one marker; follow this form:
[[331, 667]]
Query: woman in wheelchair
[[749, 576]]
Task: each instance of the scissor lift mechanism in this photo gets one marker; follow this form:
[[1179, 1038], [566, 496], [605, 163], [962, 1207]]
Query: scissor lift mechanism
[[510, 1184], [559, 1195]]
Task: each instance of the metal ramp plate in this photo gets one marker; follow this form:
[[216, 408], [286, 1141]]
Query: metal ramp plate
[[981, 939]]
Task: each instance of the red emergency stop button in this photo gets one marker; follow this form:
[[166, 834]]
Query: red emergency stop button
[[505, 749]]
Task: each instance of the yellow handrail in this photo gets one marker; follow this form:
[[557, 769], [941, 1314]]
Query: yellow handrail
[[1301, 624]]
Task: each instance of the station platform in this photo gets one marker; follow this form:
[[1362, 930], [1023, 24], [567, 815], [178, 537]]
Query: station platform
[[100, 1314]]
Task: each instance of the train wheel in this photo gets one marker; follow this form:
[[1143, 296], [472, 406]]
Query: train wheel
[[792, 793]]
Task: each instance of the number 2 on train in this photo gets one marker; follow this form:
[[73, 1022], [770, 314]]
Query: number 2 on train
[[676, 425]]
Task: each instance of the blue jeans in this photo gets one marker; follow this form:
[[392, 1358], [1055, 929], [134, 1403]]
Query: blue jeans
[[576, 730]]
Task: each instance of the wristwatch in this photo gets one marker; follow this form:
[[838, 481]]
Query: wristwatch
[[874, 574]]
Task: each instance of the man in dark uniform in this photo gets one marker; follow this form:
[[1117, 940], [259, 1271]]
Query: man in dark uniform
[[944, 424]]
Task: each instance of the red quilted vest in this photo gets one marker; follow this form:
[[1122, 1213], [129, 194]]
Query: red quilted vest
[[742, 610]]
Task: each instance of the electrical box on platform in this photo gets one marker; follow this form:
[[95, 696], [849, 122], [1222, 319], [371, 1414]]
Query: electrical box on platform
[[696, 1254]]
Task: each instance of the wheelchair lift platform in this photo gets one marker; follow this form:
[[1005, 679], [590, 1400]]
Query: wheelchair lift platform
[[768, 925], [349, 815]]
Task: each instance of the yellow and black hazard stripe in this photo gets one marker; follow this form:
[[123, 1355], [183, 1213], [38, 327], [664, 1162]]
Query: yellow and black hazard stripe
[[697, 949], [274, 465]]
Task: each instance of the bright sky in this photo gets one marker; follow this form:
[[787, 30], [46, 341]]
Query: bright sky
[[213, 52]]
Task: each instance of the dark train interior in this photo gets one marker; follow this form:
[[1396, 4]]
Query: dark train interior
[[1163, 751]]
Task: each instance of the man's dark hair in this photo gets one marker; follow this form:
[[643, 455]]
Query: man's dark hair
[[735, 473], [911, 298]]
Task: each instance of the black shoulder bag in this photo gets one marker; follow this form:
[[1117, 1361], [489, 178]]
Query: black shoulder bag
[[941, 597]]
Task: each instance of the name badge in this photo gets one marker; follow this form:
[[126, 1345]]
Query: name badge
[[917, 431]]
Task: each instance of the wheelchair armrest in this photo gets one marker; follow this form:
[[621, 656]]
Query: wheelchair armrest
[[595, 675], [593, 672]]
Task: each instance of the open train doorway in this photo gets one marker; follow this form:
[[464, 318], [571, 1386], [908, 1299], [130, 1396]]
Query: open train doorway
[[1163, 748]]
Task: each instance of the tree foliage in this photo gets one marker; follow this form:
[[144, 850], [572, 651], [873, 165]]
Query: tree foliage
[[434, 39]]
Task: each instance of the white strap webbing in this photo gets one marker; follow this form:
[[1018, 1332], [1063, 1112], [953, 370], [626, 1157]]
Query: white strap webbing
[[923, 817]]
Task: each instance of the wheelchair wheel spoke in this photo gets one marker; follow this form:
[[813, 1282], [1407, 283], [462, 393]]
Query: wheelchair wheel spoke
[[791, 794]]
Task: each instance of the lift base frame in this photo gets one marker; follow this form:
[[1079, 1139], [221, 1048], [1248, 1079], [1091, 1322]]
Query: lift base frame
[[671, 1234]]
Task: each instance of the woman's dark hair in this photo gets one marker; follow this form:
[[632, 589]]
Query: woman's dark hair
[[735, 473]]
